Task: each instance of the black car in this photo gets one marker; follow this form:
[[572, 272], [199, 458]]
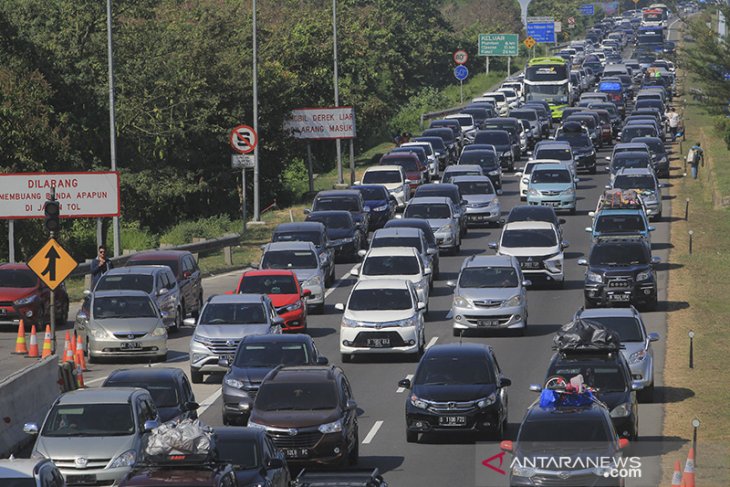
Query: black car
[[488, 161], [449, 139], [379, 203], [453, 124], [457, 387], [168, 386], [340, 478], [309, 412], [582, 434], [253, 456], [343, 233], [256, 356], [314, 232], [583, 150], [450, 191], [536, 213], [620, 271], [439, 148], [427, 232], [511, 125], [543, 111], [502, 141], [659, 156], [344, 199], [479, 114]]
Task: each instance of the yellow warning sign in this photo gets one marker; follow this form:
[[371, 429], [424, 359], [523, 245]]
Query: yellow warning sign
[[52, 264], [530, 42]]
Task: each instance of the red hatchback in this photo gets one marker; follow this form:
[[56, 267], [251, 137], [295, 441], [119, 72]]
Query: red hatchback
[[23, 295], [283, 289]]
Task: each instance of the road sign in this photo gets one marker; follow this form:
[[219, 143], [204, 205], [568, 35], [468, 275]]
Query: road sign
[[321, 123], [81, 194], [589, 8], [244, 139], [558, 26], [571, 20], [498, 44], [461, 72], [529, 42], [52, 264], [461, 56], [543, 31], [242, 161]]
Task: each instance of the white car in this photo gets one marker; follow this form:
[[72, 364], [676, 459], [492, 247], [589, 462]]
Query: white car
[[516, 86], [433, 161], [468, 127], [393, 178], [538, 248], [524, 174], [501, 99], [513, 98], [382, 316], [395, 263]]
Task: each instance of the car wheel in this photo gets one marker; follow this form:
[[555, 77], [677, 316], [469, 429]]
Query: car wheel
[[572, 211], [354, 456], [90, 359], [646, 395], [411, 436], [196, 312], [161, 358], [196, 376], [346, 358], [183, 309], [658, 216], [592, 170]]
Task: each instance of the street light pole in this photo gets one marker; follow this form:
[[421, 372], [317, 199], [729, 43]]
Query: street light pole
[[256, 213], [112, 119], [340, 177]]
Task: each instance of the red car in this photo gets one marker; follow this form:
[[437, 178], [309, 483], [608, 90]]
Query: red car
[[23, 295], [283, 289], [415, 171]]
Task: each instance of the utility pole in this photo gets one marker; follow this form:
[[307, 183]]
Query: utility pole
[[340, 176], [256, 196], [112, 122]]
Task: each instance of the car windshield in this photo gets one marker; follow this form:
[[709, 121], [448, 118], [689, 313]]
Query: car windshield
[[426, 148], [574, 140], [656, 146], [539, 237], [526, 115], [618, 254], [620, 224], [488, 277], [627, 327], [397, 241], [569, 428], [242, 453], [268, 285], [109, 307], [164, 394], [633, 131], [408, 164], [559, 154], [18, 278], [388, 265], [381, 177], [370, 194], [436, 142], [603, 378], [464, 121], [630, 161], [326, 203], [89, 420], [380, 299], [135, 282], [301, 236], [233, 314], [428, 211], [298, 396], [450, 175], [532, 214], [645, 182], [443, 370], [269, 355], [492, 138], [332, 220], [486, 159], [551, 176], [289, 259], [475, 187], [172, 264]]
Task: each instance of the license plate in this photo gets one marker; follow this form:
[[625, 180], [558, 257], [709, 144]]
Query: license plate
[[619, 297], [452, 420], [378, 342], [530, 265], [296, 452], [551, 203], [488, 323], [130, 346], [81, 479]]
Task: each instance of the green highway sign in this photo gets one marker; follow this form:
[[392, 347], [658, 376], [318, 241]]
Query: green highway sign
[[498, 44]]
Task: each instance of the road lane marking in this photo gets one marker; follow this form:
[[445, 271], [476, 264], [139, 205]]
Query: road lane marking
[[400, 390], [336, 285], [208, 401], [372, 433], [432, 342]]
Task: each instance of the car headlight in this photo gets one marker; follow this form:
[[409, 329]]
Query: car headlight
[[201, 339], [313, 281], [520, 471], [637, 357], [461, 302], [643, 276], [525, 180], [36, 455], [593, 277], [507, 154], [515, 300], [419, 403], [422, 284], [449, 227], [238, 384], [333, 427], [494, 173], [26, 300], [251, 424], [126, 459], [99, 332], [160, 331], [569, 192], [488, 401], [621, 411], [380, 208], [554, 264], [348, 323], [412, 321], [294, 306], [533, 192], [395, 190], [593, 152]]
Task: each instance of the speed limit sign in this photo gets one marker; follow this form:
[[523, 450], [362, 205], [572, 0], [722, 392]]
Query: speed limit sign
[[460, 56]]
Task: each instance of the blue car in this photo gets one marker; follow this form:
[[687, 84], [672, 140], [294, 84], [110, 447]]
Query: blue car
[[378, 203], [552, 185], [620, 223]]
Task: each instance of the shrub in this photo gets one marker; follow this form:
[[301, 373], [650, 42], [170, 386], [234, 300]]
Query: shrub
[[207, 228], [133, 237], [295, 182], [408, 118]]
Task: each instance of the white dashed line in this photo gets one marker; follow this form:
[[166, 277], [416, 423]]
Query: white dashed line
[[400, 390], [432, 342], [336, 285], [372, 433], [208, 402]]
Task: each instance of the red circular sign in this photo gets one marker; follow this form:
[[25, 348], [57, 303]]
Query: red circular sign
[[460, 56], [243, 139]]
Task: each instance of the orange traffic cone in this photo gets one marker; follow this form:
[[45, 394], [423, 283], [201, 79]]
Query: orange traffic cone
[[73, 343], [688, 477], [67, 352], [677, 477], [20, 348], [79, 377], [33, 349], [80, 353], [47, 347]]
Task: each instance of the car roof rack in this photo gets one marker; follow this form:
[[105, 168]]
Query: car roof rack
[[620, 199]]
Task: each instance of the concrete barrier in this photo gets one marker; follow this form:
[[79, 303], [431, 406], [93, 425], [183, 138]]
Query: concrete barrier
[[25, 397]]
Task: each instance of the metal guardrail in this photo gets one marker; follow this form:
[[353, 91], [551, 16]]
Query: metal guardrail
[[204, 247]]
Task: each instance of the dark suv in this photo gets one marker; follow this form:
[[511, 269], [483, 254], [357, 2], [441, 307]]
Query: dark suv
[[344, 199], [620, 271], [457, 387], [344, 234], [309, 413], [186, 270]]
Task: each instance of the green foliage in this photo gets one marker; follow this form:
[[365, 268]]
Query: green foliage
[[207, 228], [295, 182], [134, 237], [408, 117]]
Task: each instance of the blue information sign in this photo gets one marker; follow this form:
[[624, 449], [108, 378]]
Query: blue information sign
[[461, 72], [542, 32], [587, 9]]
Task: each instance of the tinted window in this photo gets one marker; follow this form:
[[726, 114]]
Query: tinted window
[[123, 307], [576, 140], [441, 370], [475, 187], [532, 213], [570, 428], [630, 132], [559, 154], [233, 314], [136, 282], [391, 265], [634, 182], [603, 378], [488, 277], [370, 194], [409, 164], [436, 142], [269, 355], [629, 161], [427, 211], [620, 223], [485, 159], [382, 177], [164, 394], [268, 285], [450, 175], [243, 453], [414, 242], [300, 396], [627, 327], [90, 420], [289, 259], [492, 138], [17, 278], [300, 236], [551, 176], [379, 299], [332, 220], [172, 264], [326, 203], [619, 255], [529, 238]]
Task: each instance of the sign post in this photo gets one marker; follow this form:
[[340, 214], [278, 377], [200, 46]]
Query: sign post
[[461, 73], [589, 8], [541, 29], [244, 140], [500, 45]]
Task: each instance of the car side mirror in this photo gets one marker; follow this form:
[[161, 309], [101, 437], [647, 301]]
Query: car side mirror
[[404, 383], [432, 251], [187, 274], [506, 445], [526, 283], [492, 245], [189, 322], [651, 229], [162, 291], [191, 406], [518, 174], [623, 443], [362, 252], [30, 428], [588, 229], [322, 360], [223, 362], [307, 211], [306, 293], [591, 214], [245, 404], [582, 262], [655, 259], [351, 405], [421, 306], [277, 321], [275, 463], [82, 315], [150, 424], [505, 382], [608, 186], [427, 271], [636, 385], [87, 292], [535, 388], [408, 181], [164, 315], [355, 271], [577, 180], [357, 183], [451, 283], [340, 307], [398, 216], [561, 221]]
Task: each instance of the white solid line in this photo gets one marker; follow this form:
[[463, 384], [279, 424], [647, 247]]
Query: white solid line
[[400, 390], [96, 380], [432, 342], [336, 285], [372, 433], [208, 401]]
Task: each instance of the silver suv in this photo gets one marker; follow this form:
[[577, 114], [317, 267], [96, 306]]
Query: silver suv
[[442, 215], [490, 294], [303, 259]]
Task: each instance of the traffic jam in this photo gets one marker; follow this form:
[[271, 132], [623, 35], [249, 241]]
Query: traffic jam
[[509, 249]]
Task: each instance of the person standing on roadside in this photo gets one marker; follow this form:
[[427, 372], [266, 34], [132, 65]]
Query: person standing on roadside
[[99, 266], [698, 156], [673, 118]]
